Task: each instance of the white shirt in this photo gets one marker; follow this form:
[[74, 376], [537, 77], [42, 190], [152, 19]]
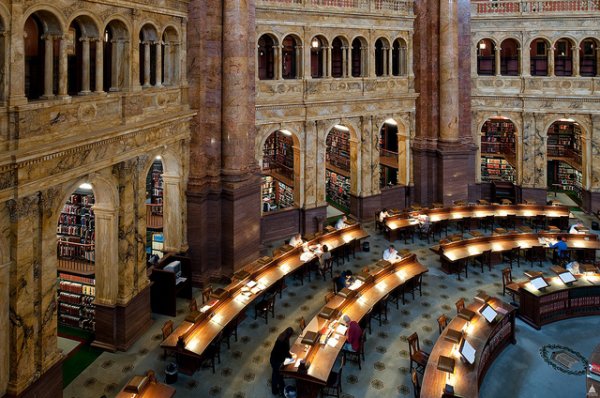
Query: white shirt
[[390, 254], [573, 230], [295, 242], [383, 215], [340, 224]]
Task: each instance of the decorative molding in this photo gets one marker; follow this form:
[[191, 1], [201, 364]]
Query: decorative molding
[[22, 207]]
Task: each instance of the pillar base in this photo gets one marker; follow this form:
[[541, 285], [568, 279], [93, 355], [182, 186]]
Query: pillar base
[[280, 224], [591, 201], [312, 220], [425, 164], [538, 195], [119, 326], [456, 172], [50, 384]]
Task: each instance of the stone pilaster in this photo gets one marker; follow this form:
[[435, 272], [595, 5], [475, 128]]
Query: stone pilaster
[[5, 358]]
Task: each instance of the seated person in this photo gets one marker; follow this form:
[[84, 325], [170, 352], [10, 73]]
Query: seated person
[[390, 254], [323, 257], [383, 214], [354, 334], [348, 278], [341, 223], [424, 222], [306, 254], [296, 240], [561, 247], [340, 281], [574, 227]]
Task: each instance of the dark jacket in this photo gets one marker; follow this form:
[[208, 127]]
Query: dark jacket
[[281, 351]]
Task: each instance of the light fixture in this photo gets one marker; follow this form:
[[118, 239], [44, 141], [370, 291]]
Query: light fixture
[[391, 122], [341, 128], [482, 45], [106, 36], [86, 186], [158, 157], [286, 132], [315, 43]]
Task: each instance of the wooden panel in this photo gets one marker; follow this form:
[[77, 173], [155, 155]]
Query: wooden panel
[[50, 384], [279, 225], [394, 197], [106, 328], [133, 319]]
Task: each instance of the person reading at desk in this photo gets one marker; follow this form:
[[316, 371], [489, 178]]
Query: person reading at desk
[[562, 249], [296, 240], [353, 335], [575, 228], [279, 353], [390, 254], [341, 223], [323, 257], [383, 214]]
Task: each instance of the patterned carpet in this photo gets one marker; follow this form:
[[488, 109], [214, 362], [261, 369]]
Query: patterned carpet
[[244, 371]]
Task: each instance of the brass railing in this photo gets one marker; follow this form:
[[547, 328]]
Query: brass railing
[[76, 257]]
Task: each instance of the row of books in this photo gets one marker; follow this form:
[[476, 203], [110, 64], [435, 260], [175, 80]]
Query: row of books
[[76, 287], [77, 278]]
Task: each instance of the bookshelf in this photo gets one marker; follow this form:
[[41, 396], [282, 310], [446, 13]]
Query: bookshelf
[[338, 149], [154, 185], [76, 296], [498, 151], [564, 141], [276, 194], [277, 187], [496, 169], [388, 176], [76, 229], [338, 188]]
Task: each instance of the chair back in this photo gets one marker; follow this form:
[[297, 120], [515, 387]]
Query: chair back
[[167, 329], [506, 276], [193, 306], [338, 382], [413, 344], [460, 305], [416, 383], [302, 324], [442, 322], [206, 292]]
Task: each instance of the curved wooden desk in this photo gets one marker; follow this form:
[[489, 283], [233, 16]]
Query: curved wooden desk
[[594, 382], [487, 339], [558, 300], [451, 254], [559, 214], [322, 357], [191, 339]]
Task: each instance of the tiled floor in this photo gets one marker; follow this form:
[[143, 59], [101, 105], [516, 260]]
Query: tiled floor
[[245, 371]]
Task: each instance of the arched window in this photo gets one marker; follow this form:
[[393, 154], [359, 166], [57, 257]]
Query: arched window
[[82, 56], [291, 58], [565, 157], [279, 177], [486, 58], [563, 58], [498, 150], [266, 58], [380, 58], [170, 57], [149, 49], [318, 57], [509, 58], [42, 41], [539, 57], [358, 47], [588, 58], [337, 58], [399, 58], [116, 56]]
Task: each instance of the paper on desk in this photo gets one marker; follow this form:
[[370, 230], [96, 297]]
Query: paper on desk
[[255, 290], [288, 361], [205, 308], [297, 364], [341, 329], [332, 342], [251, 284]]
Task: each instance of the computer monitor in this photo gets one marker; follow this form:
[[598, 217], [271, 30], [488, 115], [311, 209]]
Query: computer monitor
[[467, 351], [567, 277], [539, 282], [175, 267], [488, 313]]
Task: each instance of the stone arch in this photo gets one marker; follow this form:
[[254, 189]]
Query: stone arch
[[486, 56], [339, 56], [116, 41], [381, 54], [52, 18], [360, 56], [510, 56], [318, 47], [170, 43], [399, 57], [83, 28], [563, 48], [149, 44], [266, 54], [403, 140], [588, 56], [538, 56], [291, 56]]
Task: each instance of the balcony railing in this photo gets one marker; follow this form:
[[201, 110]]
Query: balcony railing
[[76, 257], [527, 7], [398, 7], [154, 216]]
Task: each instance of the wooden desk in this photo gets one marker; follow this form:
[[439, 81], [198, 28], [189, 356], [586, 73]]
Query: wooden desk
[[594, 358], [323, 357], [165, 289], [451, 254], [152, 389], [487, 339], [190, 340], [558, 214], [558, 300]]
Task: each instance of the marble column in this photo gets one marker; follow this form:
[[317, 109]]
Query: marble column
[[85, 65], [497, 60], [310, 165], [349, 62], [403, 165], [365, 62], [550, 58], [62, 68], [99, 67], [48, 66], [575, 52], [107, 258], [370, 156], [115, 67], [278, 60], [158, 64], [390, 62], [525, 59], [168, 67], [409, 59], [172, 222], [344, 61], [16, 57], [5, 358], [448, 47], [370, 57], [146, 65], [180, 73], [298, 180], [299, 69], [327, 58]]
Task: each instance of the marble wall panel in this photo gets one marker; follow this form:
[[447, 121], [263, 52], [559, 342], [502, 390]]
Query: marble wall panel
[[311, 156], [5, 269], [595, 154]]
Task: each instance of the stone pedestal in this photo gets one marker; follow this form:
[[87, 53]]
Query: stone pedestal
[[536, 194], [456, 169], [364, 208], [425, 165]]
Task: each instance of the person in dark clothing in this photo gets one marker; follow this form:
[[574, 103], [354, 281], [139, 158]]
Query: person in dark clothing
[[281, 351]]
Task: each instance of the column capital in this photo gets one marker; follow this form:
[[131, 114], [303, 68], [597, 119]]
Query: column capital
[[86, 39], [23, 207]]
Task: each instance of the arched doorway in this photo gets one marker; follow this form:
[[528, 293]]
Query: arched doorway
[[290, 58], [154, 212], [358, 47], [81, 56], [338, 168], [509, 58], [266, 58], [280, 180], [381, 57], [539, 57], [116, 56], [170, 57], [498, 150], [399, 58], [565, 158], [388, 154], [148, 60], [588, 57], [486, 58], [338, 58]]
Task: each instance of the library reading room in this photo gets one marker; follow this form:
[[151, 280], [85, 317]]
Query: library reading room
[[299, 198]]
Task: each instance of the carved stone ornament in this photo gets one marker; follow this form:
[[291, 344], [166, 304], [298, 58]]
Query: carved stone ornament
[[23, 207]]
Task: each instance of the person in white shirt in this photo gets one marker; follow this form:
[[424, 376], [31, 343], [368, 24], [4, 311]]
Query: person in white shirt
[[574, 227], [383, 214], [341, 223], [423, 220], [323, 257], [296, 240], [390, 254]]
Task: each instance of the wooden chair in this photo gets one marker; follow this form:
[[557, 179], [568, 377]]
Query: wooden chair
[[442, 323], [412, 285], [264, 307], [206, 292], [418, 357], [484, 258], [511, 256], [538, 222], [356, 356], [231, 330], [328, 267], [536, 254], [193, 305], [460, 305], [507, 283], [302, 324], [381, 309], [365, 322], [333, 388], [487, 223], [464, 224], [426, 232], [167, 329], [212, 353], [414, 377]]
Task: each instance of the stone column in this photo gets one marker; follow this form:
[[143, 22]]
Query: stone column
[[107, 255], [99, 67], [389, 62], [172, 222], [448, 60], [403, 175], [409, 59], [349, 66], [85, 65], [310, 165], [299, 69], [62, 68], [5, 358], [180, 74], [48, 66], [146, 45], [344, 61], [497, 59], [16, 57], [168, 75], [116, 65], [307, 61], [525, 59], [575, 51], [550, 58], [367, 64], [158, 66], [277, 59], [370, 157], [327, 62]]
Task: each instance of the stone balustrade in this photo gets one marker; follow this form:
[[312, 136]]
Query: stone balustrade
[[396, 7], [567, 86], [532, 8]]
